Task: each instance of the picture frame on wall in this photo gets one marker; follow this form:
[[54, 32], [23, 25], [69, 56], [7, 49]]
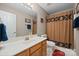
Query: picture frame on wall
[[27, 20]]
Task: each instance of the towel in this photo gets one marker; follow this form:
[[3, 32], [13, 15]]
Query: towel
[[76, 22], [3, 35]]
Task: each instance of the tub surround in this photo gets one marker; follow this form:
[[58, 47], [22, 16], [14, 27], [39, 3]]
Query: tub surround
[[15, 47]]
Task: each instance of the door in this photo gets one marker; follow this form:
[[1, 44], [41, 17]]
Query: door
[[9, 20], [34, 27], [37, 52], [44, 48]]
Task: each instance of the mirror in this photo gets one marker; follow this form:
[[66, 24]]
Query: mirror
[[19, 19]]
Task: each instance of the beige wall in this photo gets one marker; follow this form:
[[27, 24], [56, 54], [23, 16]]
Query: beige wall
[[76, 40], [41, 27], [76, 37], [76, 34], [20, 19]]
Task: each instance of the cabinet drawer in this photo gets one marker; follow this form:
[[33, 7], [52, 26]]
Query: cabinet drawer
[[37, 53], [34, 48], [23, 53]]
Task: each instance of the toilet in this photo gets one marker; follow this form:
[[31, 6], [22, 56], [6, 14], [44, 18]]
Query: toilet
[[50, 47], [50, 44]]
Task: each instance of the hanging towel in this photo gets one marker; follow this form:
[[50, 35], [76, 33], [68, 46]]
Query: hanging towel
[[0, 32], [76, 22], [3, 35]]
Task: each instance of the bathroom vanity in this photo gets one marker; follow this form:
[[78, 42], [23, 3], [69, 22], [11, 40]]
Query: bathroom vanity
[[39, 49], [35, 46]]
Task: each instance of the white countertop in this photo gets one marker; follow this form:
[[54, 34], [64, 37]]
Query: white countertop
[[15, 47]]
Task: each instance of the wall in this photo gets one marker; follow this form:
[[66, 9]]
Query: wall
[[76, 33], [20, 19], [41, 27], [76, 41], [76, 37]]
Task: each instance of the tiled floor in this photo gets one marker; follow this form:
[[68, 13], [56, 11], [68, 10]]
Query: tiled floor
[[68, 52]]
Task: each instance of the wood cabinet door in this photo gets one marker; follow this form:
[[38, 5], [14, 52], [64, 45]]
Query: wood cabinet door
[[34, 48], [44, 48], [37, 52], [49, 30]]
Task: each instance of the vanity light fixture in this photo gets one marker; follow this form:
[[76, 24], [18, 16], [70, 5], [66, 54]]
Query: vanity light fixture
[[30, 4], [27, 5]]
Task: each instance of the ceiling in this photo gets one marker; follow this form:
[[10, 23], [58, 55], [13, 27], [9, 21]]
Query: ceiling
[[21, 7], [56, 7], [48, 7]]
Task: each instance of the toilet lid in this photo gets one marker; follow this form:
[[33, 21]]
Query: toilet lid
[[50, 43]]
